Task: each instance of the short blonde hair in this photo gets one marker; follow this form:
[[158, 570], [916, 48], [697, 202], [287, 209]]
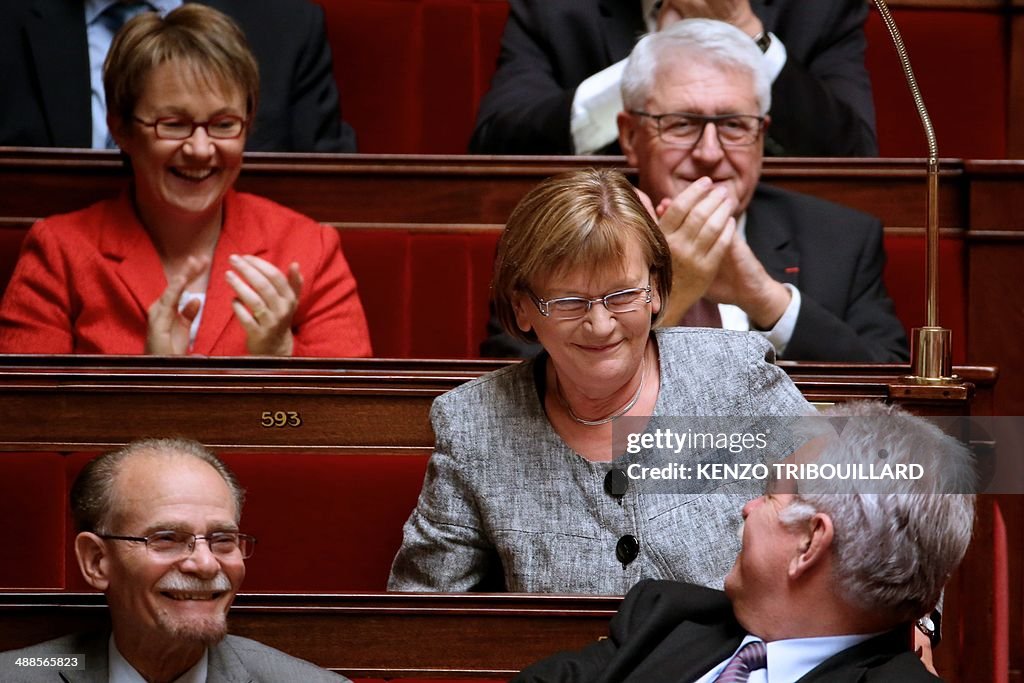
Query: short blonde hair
[[208, 43], [582, 218]]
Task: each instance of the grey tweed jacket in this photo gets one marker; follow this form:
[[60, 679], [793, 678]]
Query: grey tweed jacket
[[507, 504]]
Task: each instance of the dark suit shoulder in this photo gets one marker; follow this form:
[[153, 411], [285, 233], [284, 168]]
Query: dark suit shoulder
[[885, 658], [903, 668], [654, 602]]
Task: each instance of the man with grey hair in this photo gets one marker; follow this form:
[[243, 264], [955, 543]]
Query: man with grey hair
[[826, 585], [159, 535], [804, 272], [555, 90]]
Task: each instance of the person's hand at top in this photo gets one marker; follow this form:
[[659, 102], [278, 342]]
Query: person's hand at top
[[167, 332], [265, 304], [735, 12]]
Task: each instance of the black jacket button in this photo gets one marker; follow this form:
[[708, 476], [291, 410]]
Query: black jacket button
[[627, 549], [616, 482]]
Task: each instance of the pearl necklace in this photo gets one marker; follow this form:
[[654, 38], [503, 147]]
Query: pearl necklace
[[618, 413]]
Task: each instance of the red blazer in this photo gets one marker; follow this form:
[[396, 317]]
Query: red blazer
[[84, 282]]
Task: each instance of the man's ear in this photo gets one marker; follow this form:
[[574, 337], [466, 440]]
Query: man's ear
[[627, 136], [519, 306], [93, 559], [815, 548]]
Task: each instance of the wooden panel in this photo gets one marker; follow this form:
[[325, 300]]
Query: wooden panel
[[71, 403], [381, 635], [995, 304], [361, 190], [1015, 134], [100, 402]]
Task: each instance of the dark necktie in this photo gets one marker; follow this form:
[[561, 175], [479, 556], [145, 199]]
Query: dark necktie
[[751, 657], [113, 18], [702, 313]]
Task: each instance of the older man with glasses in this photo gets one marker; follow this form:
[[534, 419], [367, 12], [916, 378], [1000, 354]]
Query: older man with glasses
[[159, 536], [805, 272]]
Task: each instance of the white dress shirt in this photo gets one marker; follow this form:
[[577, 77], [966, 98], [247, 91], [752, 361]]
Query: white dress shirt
[[186, 297]]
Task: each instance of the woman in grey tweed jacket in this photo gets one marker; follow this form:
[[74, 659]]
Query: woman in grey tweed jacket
[[515, 495]]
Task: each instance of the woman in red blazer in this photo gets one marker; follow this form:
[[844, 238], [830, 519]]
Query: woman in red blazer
[[180, 262]]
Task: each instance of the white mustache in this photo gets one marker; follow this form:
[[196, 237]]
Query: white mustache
[[192, 584]]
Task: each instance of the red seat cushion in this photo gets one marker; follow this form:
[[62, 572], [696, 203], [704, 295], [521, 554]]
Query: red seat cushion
[[960, 63], [905, 280], [32, 495], [411, 85], [325, 522], [425, 293]]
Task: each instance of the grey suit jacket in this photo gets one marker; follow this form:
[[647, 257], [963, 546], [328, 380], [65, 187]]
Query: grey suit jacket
[[233, 660], [504, 495]]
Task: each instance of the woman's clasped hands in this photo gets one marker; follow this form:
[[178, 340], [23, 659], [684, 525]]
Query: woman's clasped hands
[[264, 305]]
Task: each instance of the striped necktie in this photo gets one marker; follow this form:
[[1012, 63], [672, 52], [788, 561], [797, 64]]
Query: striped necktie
[[115, 16], [751, 657]]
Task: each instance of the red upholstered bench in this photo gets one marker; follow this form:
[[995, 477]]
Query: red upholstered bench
[[324, 522], [905, 280], [32, 495], [961, 63], [412, 72], [425, 293]]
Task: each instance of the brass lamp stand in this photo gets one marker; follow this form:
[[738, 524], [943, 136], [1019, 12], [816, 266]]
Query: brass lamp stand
[[931, 356]]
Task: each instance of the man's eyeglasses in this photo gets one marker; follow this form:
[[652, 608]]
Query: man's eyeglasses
[[685, 130], [176, 545], [573, 307], [226, 127]]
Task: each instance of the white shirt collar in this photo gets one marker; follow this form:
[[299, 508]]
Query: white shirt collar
[[790, 660]]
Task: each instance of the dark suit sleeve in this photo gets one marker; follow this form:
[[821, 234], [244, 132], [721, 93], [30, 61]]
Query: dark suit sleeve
[[527, 109], [660, 623], [869, 331], [501, 344], [821, 102], [592, 662], [316, 123]]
